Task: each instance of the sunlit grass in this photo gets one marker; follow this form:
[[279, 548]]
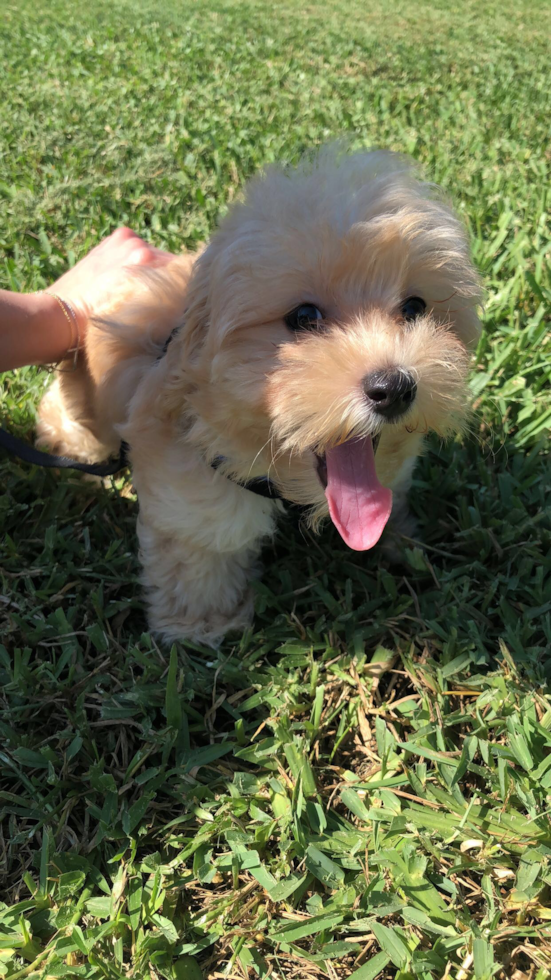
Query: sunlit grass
[[360, 786]]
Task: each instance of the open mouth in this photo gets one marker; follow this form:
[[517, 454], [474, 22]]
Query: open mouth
[[321, 465], [359, 505]]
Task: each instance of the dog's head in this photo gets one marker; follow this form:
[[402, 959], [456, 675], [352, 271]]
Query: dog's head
[[331, 316]]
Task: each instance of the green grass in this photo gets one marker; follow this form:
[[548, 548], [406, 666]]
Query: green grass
[[360, 787]]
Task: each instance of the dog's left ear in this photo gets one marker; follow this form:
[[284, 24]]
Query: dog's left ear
[[194, 328], [208, 313]]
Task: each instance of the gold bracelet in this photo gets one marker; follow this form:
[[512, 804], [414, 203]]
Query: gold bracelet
[[71, 317]]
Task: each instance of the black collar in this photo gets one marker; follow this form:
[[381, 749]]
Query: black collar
[[261, 485]]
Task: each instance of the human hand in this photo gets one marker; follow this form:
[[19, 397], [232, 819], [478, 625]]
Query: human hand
[[38, 328], [84, 284]]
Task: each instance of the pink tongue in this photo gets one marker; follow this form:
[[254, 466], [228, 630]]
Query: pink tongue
[[359, 506]]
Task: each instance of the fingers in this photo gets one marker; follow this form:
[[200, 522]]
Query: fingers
[[146, 255], [122, 234], [119, 241], [162, 258], [131, 249], [82, 285]]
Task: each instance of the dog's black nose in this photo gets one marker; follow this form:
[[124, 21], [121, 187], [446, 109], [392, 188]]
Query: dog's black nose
[[390, 393]]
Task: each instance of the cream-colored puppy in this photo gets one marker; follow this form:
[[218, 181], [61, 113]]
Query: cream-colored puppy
[[323, 331]]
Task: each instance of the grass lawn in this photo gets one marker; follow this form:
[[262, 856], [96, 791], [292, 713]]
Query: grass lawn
[[361, 786]]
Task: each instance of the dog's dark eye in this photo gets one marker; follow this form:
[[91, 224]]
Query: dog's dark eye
[[305, 317], [413, 307]]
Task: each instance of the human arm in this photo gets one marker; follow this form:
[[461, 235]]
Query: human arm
[[35, 328]]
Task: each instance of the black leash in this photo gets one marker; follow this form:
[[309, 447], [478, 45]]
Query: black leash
[[31, 455], [261, 485]]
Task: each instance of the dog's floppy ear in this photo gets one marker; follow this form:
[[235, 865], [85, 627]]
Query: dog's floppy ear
[[208, 293], [218, 288], [194, 330]]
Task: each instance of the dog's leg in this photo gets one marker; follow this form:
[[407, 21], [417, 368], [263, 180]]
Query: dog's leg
[[65, 423], [200, 536], [195, 593]]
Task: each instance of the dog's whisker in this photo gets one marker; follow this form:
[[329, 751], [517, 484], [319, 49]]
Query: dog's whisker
[[260, 451], [273, 461], [274, 456], [436, 302]]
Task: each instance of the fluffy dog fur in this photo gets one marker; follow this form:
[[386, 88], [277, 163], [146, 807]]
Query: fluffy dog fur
[[353, 234]]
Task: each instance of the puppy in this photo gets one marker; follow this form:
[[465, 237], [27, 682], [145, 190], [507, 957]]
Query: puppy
[[305, 352]]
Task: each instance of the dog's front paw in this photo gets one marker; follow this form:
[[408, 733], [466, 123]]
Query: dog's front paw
[[194, 593], [208, 629]]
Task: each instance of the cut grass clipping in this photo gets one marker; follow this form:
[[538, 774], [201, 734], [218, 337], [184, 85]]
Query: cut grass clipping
[[359, 787]]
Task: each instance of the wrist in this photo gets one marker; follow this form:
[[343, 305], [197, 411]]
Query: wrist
[[70, 316], [55, 328], [34, 330]]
